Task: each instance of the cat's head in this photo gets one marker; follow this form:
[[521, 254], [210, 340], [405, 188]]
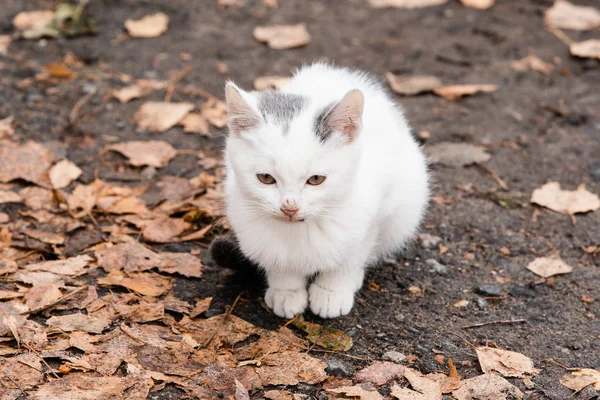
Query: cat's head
[[293, 161]]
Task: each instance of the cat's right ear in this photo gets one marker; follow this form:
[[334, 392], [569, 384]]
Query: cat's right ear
[[241, 116]]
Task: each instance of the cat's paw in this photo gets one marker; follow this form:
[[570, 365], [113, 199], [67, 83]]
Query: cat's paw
[[286, 303], [329, 303]]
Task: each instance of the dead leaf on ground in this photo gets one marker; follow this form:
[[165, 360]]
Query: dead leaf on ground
[[328, 338], [154, 153], [200, 307], [8, 196], [215, 112], [380, 373], [37, 198], [63, 173], [159, 116], [280, 37], [505, 362], [25, 369], [45, 236], [480, 4], [565, 15], [424, 387], [141, 87], [59, 71], [149, 26], [29, 162], [580, 378], [456, 154], [73, 266], [271, 82], [108, 198], [85, 387], [6, 124], [547, 267], [291, 368], [42, 296], [406, 3], [4, 43], [146, 283], [565, 201], [487, 387], [454, 92], [164, 230], [412, 85], [534, 63], [27, 20], [363, 392], [78, 322], [586, 49], [196, 123]]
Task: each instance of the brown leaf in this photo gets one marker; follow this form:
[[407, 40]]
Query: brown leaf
[[84, 387], [8, 196], [44, 236], [36, 278], [380, 373], [148, 284], [505, 362], [291, 368], [196, 123], [454, 92], [487, 387], [42, 295], [12, 318], [215, 112], [406, 3], [32, 19], [565, 201], [532, 62], [165, 230], [38, 198], [159, 116], [241, 393], [363, 392], [184, 264], [7, 266], [480, 4], [4, 43], [73, 266], [4, 218], [78, 322], [127, 306], [271, 342], [141, 87], [280, 37], [200, 307], [10, 294], [63, 173], [153, 153], [564, 15], [218, 331], [271, 82], [580, 378], [28, 162], [456, 154], [177, 188], [6, 124], [412, 85], [25, 369], [149, 26], [326, 337], [59, 70], [586, 49], [547, 267]]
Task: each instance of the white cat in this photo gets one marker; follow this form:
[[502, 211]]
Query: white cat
[[323, 179]]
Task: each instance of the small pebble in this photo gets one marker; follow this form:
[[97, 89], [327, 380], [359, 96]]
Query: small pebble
[[394, 356], [89, 88], [121, 124], [437, 267], [429, 241], [482, 303], [489, 290], [337, 368]]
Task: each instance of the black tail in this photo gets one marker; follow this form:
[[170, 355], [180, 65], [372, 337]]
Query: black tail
[[225, 252]]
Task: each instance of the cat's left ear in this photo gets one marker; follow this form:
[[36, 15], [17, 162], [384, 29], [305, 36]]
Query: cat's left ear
[[346, 116], [241, 116]]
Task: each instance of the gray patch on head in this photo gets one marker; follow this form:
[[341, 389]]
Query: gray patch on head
[[321, 126], [280, 108]]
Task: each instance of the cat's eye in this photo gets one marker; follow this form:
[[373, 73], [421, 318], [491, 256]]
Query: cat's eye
[[266, 179], [316, 180]]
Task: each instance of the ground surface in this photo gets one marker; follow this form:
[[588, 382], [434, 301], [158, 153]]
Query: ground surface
[[529, 143]]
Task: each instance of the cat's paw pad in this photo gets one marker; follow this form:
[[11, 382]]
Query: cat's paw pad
[[286, 303], [329, 303]]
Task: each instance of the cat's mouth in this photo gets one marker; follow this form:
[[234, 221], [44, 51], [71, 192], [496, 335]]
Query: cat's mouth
[[291, 220]]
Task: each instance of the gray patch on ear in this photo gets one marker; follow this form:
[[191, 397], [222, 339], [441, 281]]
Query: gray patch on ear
[[321, 126], [280, 108]]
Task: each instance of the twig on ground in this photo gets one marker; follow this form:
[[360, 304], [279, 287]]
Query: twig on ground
[[66, 296], [551, 361], [75, 111], [42, 360], [227, 315], [463, 339], [499, 322], [174, 79], [16, 384], [561, 36], [494, 175]]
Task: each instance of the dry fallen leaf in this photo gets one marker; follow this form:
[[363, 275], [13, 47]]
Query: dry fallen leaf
[[565, 201], [534, 63], [456, 154], [63, 173], [487, 387], [78, 322], [586, 49], [32, 19], [149, 26], [564, 15], [580, 378], [271, 82], [6, 124], [159, 116], [406, 3], [547, 267], [195, 123], [505, 362], [363, 392], [42, 296], [59, 71], [480, 4], [454, 92], [200, 307], [153, 153], [140, 88], [165, 230], [328, 338], [215, 112], [146, 283], [412, 85], [29, 162], [8, 196], [4, 43], [280, 37], [291, 368], [380, 373], [73, 266], [45, 236]]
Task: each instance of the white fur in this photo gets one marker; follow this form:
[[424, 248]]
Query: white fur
[[370, 205]]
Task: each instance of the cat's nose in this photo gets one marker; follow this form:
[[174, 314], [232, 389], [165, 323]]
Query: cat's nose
[[290, 212]]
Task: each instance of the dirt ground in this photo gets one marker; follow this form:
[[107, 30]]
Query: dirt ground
[[536, 127]]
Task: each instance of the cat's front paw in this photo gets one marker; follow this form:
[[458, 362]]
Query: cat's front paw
[[329, 303], [286, 303]]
